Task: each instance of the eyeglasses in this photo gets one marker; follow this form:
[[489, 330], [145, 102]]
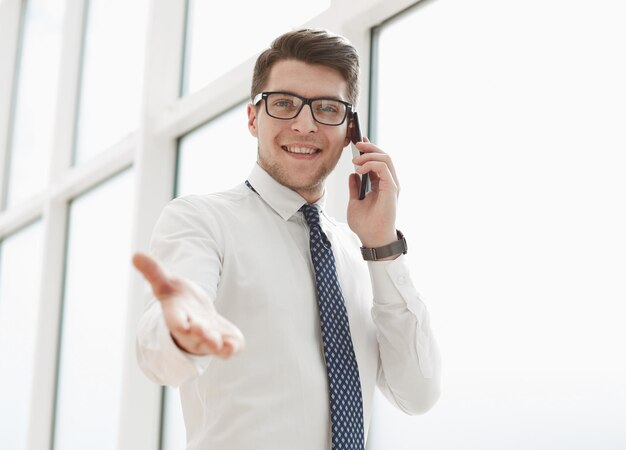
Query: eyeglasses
[[285, 106]]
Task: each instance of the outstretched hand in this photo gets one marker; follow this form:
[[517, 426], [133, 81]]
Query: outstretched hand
[[194, 324]]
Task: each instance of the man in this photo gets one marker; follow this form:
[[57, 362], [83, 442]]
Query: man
[[263, 261]]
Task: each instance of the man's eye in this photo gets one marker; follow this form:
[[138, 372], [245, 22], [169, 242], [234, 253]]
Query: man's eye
[[328, 109], [283, 104]]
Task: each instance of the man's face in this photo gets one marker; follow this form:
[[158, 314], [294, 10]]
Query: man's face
[[299, 153]]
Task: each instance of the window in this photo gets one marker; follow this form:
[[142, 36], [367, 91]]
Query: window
[[20, 270], [94, 317], [506, 135], [112, 74], [210, 31], [505, 123], [216, 156], [35, 100]]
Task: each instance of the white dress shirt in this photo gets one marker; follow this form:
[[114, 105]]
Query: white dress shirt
[[250, 253]]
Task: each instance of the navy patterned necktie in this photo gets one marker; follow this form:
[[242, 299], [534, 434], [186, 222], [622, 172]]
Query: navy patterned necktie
[[346, 402]]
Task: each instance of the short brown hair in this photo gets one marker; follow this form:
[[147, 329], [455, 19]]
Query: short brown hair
[[312, 46]]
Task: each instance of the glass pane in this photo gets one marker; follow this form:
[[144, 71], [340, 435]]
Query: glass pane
[[36, 96], [94, 317], [111, 82], [509, 147], [20, 268], [214, 48], [218, 155]]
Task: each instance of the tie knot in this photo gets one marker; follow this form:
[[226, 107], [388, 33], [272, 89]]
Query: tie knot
[[311, 214]]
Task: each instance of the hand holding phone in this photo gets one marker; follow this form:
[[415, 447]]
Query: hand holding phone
[[355, 136]]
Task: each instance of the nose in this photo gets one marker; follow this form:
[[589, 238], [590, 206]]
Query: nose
[[304, 121]]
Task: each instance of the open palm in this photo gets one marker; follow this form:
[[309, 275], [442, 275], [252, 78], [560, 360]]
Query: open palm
[[189, 313]]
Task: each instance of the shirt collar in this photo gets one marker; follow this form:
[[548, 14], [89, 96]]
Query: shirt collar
[[283, 200]]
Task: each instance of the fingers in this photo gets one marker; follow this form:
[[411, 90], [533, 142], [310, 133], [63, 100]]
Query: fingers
[[194, 346], [380, 174], [366, 146], [232, 346], [197, 339], [206, 342], [226, 342], [371, 152], [354, 184], [219, 338], [154, 274]]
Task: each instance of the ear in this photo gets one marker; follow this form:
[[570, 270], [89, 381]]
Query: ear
[[252, 120], [349, 131]]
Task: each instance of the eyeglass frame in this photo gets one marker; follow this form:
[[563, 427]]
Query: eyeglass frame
[[305, 101]]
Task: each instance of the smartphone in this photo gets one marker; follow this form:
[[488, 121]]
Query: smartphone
[[356, 136]]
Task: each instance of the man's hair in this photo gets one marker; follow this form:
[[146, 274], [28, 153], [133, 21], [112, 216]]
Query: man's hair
[[312, 46]]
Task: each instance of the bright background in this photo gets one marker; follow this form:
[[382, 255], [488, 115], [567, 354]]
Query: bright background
[[505, 121]]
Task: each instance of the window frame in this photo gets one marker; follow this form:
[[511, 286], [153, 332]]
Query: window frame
[[151, 149]]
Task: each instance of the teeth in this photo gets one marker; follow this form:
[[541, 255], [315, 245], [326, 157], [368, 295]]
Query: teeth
[[304, 150]]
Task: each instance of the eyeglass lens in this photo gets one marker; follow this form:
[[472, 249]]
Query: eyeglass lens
[[285, 106]]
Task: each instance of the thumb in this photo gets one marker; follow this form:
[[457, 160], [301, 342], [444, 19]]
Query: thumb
[[154, 274]]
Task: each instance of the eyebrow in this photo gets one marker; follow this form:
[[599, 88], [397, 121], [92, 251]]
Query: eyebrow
[[328, 97]]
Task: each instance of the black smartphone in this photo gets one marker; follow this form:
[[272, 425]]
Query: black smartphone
[[356, 136]]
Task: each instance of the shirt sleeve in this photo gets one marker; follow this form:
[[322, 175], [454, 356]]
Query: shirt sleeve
[[184, 242], [410, 365]]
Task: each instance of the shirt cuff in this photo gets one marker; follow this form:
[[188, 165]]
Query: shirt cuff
[[388, 277], [392, 285]]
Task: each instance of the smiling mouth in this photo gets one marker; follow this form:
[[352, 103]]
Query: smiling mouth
[[301, 150]]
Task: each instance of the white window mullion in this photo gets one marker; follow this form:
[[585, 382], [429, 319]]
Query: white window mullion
[[191, 111], [52, 269], [55, 221], [10, 20], [18, 216], [155, 161], [68, 89]]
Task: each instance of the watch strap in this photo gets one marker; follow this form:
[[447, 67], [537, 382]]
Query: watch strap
[[395, 248]]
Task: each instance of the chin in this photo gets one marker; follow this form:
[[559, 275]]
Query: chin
[[298, 184], [297, 180], [313, 185]]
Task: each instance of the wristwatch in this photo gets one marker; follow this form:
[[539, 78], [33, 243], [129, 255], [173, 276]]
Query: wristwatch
[[378, 253]]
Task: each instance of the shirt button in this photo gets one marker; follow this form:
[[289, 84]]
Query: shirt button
[[402, 279]]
